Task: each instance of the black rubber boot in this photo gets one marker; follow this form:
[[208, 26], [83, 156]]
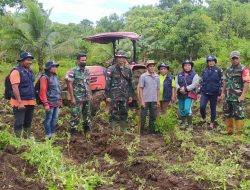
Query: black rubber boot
[[190, 122], [26, 132], [86, 129], [72, 131], [183, 122], [18, 133]]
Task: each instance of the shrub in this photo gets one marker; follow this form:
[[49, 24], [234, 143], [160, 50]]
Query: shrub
[[166, 124]]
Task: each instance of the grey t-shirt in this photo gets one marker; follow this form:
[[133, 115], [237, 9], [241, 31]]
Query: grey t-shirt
[[150, 84]]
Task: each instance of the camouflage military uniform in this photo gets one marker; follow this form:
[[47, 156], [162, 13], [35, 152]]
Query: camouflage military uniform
[[234, 87], [119, 88], [81, 85]]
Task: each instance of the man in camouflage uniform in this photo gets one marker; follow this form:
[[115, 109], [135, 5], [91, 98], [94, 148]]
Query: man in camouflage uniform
[[234, 89], [119, 90], [80, 94]]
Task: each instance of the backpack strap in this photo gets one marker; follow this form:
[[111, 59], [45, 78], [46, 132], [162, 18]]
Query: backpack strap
[[38, 87]]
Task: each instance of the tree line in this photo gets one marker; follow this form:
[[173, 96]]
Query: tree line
[[170, 31]]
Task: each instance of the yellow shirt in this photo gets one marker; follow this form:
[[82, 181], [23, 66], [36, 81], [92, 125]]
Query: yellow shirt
[[162, 79]]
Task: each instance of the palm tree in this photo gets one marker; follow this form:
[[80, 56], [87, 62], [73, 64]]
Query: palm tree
[[31, 31]]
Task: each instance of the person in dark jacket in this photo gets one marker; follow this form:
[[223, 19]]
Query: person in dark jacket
[[167, 87], [211, 84], [50, 95], [186, 81], [23, 95]]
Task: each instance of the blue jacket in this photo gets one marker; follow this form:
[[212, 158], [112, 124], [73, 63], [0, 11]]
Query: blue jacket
[[26, 86], [211, 81], [167, 88], [182, 82]]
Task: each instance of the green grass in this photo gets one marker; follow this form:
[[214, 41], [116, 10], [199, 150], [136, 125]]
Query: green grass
[[205, 167], [245, 185], [53, 168], [167, 126], [4, 70], [223, 140], [226, 140], [185, 136], [247, 129], [65, 65], [208, 163]]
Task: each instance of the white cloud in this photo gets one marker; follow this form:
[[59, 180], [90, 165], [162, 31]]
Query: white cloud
[[66, 11]]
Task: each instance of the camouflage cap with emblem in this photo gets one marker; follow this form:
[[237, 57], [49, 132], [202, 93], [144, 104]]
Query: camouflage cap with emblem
[[235, 54], [121, 54]]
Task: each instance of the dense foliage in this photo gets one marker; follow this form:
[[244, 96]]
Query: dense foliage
[[171, 31]]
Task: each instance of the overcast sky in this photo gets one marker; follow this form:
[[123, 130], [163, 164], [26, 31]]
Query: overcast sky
[[73, 11]]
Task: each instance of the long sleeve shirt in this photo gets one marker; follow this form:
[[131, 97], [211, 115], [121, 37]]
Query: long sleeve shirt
[[43, 93]]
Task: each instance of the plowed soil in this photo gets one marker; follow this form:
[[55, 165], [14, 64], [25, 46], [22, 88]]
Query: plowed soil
[[16, 173], [135, 166]]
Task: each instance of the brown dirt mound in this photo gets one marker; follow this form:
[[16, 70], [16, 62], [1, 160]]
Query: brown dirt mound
[[118, 153], [169, 153], [16, 173], [136, 172], [95, 144], [133, 170], [149, 175]]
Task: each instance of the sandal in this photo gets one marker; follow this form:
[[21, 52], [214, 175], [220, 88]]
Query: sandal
[[211, 126]]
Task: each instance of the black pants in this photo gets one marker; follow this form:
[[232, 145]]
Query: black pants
[[213, 103], [23, 118], [152, 108]]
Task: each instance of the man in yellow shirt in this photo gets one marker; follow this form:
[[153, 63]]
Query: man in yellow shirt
[[167, 87]]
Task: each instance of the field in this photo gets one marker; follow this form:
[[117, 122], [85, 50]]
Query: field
[[107, 159], [170, 31]]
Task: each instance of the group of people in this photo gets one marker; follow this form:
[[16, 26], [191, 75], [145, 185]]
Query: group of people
[[155, 92], [23, 95], [231, 86]]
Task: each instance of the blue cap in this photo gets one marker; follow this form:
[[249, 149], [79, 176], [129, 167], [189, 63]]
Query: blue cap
[[187, 61], [211, 58], [163, 65], [24, 55], [50, 64]]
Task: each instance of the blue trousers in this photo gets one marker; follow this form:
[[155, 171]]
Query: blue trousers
[[50, 121], [203, 104], [185, 106]]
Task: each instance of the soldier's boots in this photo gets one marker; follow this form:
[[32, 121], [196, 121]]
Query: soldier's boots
[[124, 126], [86, 129], [72, 131], [229, 126], [119, 125], [239, 127], [114, 125]]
